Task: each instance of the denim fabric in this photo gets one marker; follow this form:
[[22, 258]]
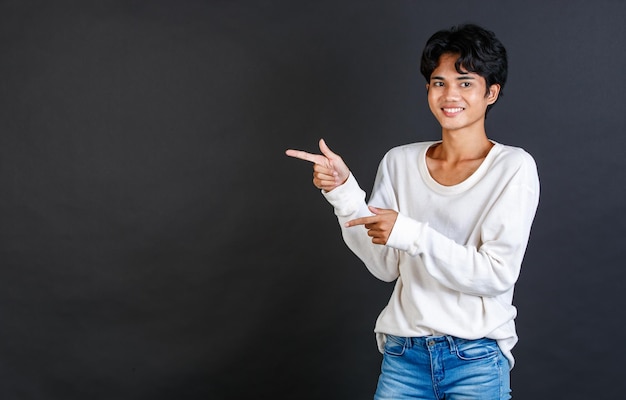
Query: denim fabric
[[443, 367]]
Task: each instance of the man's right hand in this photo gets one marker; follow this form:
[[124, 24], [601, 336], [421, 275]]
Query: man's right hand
[[329, 170]]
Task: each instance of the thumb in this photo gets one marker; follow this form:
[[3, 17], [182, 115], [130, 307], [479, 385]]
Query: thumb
[[374, 210], [325, 150]]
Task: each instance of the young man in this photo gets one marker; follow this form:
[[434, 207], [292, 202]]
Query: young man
[[449, 221]]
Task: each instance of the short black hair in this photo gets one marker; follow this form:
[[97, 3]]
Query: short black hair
[[479, 52]]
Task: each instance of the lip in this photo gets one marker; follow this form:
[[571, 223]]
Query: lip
[[452, 111]]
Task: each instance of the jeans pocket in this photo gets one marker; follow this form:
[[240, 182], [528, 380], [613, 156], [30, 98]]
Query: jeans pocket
[[394, 345], [476, 349]]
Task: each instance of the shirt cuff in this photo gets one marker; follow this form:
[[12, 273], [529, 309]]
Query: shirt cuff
[[405, 234], [346, 198]]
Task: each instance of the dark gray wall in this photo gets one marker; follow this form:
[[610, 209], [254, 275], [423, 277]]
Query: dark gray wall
[[155, 242]]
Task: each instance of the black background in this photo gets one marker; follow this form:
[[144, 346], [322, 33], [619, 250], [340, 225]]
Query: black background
[[156, 243]]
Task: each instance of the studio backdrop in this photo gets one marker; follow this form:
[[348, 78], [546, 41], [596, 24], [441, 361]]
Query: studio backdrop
[[156, 243]]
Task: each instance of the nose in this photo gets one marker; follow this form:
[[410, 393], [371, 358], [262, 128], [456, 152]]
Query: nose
[[451, 92]]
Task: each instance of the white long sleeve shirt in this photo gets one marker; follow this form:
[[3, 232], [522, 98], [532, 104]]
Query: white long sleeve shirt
[[454, 251]]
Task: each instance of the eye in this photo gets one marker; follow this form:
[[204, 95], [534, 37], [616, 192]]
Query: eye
[[438, 84], [466, 84]]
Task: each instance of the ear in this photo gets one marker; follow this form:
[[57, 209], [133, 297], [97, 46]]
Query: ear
[[494, 92], [427, 87]]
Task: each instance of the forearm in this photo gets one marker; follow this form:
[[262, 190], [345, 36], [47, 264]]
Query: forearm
[[488, 262], [349, 203], [487, 271]]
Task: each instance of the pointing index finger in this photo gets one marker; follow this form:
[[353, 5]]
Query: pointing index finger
[[303, 155], [361, 221]]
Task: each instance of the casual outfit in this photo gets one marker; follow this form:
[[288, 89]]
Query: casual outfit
[[455, 252]]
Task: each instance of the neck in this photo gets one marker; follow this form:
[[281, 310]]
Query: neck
[[463, 145]]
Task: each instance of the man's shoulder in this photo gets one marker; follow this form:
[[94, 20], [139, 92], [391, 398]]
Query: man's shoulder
[[514, 154], [516, 160], [409, 149]]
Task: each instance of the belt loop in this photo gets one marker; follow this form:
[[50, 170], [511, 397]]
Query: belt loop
[[452, 343], [408, 342]]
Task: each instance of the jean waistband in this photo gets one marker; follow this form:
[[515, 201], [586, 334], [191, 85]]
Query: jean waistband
[[432, 341]]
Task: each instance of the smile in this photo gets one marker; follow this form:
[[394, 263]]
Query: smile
[[452, 110]]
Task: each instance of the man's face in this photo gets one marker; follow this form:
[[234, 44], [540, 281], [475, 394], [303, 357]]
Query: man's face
[[459, 101]]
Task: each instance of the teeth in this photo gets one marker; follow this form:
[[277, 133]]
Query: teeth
[[453, 110]]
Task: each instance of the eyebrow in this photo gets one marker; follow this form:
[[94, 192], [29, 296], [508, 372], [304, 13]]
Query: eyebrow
[[460, 78]]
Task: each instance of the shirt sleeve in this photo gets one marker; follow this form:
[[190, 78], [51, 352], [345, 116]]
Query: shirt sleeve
[[349, 203]]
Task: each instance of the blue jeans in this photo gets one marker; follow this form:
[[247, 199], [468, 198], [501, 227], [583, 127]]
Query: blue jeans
[[443, 367]]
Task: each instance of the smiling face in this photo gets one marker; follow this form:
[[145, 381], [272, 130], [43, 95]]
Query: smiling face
[[459, 100]]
